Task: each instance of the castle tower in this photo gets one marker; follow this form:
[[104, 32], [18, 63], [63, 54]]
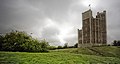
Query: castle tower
[[93, 30], [102, 34]]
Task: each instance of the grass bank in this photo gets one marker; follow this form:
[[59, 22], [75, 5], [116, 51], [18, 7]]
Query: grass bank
[[61, 56]]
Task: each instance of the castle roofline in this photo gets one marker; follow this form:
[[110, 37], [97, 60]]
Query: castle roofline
[[87, 11]]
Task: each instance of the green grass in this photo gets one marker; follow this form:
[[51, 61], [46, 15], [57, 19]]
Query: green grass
[[62, 56], [105, 51]]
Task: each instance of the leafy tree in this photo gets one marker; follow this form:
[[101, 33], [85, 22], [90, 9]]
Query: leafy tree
[[116, 43], [13, 41], [60, 47], [21, 41], [65, 45], [71, 47], [44, 45], [76, 45], [1, 41], [51, 47]]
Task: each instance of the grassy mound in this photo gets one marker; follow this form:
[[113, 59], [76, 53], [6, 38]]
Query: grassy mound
[[106, 51], [53, 58], [95, 55]]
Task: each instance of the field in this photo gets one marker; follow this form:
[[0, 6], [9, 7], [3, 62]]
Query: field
[[100, 55]]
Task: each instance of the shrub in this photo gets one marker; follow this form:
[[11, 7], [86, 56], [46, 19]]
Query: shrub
[[65, 45], [71, 47], [76, 45], [116, 43], [1, 40], [52, 47], [21, 41], [60, 47]]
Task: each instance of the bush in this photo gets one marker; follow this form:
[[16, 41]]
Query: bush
[[65, 45], [116, 43], [1, 40], [60, 47], [108, 45], [21, 41], [52, 47], [44, 45], [71, 47], [76, 45]]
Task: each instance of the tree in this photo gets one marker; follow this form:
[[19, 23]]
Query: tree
[[21, 41], [1, 41], [44, 45], [65, 45], [116, 43], [51, 47], [60, 47], [14, 40], [76, 45]]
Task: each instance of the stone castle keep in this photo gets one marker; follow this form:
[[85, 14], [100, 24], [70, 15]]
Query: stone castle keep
[[93, 30]]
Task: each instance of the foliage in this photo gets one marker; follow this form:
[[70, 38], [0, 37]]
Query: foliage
[[21, 41], [109, 45], [1, 40], [76, 45], [60, 47], [52, 47], [116, 43], [70, 46], [65, 45]]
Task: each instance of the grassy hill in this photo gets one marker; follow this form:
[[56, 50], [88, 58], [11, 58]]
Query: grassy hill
[[105, 51], [102, 55]]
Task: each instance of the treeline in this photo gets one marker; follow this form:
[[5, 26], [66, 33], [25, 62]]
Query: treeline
[[116, 43], [22, 42], [62, 47]]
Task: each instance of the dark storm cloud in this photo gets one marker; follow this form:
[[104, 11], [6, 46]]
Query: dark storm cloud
[[56, 21]]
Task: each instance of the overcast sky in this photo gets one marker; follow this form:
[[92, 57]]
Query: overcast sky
[[56, 21]]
